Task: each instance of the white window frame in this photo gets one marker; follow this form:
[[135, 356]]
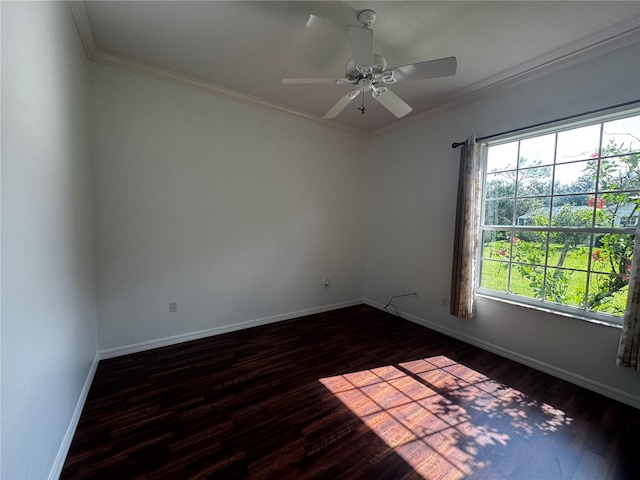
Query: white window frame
[[543, 305]]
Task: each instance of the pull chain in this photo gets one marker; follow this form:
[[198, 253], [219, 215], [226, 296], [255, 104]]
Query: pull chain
[[361, 108]]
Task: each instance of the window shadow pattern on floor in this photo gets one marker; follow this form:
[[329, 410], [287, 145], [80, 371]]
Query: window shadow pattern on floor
[[438, 415]]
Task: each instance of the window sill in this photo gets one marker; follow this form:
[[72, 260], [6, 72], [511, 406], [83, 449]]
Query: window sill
[[550, 310]]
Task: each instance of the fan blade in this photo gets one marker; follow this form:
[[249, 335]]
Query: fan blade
[[361, 40], [391, 102], [444, 67], [322, 44], [342, 103], [303, 81]]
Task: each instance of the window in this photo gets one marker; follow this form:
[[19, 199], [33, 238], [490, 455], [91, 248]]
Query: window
[[559, 214]]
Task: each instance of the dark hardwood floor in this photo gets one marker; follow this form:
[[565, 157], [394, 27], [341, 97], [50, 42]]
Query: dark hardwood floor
[[354, 393]]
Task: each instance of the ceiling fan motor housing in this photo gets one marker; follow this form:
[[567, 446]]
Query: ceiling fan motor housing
[[353, 74], [367, 18]]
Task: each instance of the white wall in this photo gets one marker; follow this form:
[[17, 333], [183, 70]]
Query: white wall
[[48, 295], [411, 186], [236, 213]]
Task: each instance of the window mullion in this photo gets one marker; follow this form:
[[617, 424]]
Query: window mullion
[[549, 220], [514, 217], [592, 244]]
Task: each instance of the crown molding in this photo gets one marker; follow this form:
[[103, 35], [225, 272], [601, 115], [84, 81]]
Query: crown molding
[[605, 41], [81, 19], [541, 66], [176, 78]]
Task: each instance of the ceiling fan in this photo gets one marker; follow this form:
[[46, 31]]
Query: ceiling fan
[[368, 72]]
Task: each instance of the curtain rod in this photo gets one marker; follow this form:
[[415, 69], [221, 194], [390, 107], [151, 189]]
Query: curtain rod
[[570, 117]]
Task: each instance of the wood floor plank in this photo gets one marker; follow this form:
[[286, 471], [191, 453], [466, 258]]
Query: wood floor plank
[[354, 393]]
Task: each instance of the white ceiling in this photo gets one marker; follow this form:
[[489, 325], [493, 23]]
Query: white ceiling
[[249, 47]]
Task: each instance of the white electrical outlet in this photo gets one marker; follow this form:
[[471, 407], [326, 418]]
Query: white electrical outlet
[[173, 307]]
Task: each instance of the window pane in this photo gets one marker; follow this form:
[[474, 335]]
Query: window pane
[[494, 275], [527, 280], [534, 181], [608, 293], [616, 211], [623, 134], [502, 157], [600, 258], [620, 173], [579, 214], [537, 151], [498, 212], [500, 185], [496, 245], [530, 248], [612, 253], [630, 219], [576, 177], [566, 287], [569, 250], [533, 211], [578, 144]]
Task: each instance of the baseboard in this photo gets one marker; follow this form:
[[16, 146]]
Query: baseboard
[[579, 380], [185, 337], [58, 463]]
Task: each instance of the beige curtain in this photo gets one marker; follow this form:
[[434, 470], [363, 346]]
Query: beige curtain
[[463, 274], [628, 352]]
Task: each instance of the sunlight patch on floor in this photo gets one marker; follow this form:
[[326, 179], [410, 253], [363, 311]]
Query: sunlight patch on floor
[[438, 414]]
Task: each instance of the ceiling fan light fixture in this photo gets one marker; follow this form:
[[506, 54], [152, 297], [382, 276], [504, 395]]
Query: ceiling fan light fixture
[[389, 76], [378, 91], [354, 71], [365, 84], [353, 94]]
